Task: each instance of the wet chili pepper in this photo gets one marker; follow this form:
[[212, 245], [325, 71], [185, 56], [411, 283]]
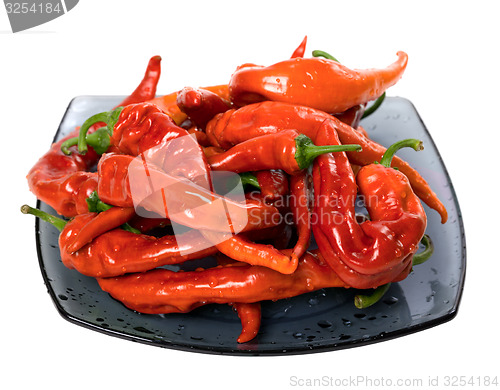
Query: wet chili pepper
[[273, 184], [300, 203], [287, 150], [117, 251], [362, 301], [384, 244], [250, 316], [168, 103], [163, 291], [239, 248], [320, 83], [62, 181], [201, 105], [236, 126], [100, 224]]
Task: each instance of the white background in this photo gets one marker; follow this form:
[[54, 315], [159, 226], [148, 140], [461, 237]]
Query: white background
[[102, 47]]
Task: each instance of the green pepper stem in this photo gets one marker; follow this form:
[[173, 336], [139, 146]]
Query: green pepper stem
[[321, 53], [363, 301], [391, 150], [376, 104], [248, 179], [99, 140], [108, 117], [423, 256], [306, 151], [54, 221]]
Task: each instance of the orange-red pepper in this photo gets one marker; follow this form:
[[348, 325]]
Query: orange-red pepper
[[320, 83]]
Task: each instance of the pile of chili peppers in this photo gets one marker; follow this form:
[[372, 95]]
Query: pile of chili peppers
[[292, 131]]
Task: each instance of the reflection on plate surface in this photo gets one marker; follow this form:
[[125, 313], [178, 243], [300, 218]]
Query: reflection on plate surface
[[319, 321]]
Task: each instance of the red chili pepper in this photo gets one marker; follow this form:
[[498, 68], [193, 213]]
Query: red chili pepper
[[287, 150], [301, 49], [168, 103], [163, 291], [147, 88], [117, 252], [236, 126], [201, 105], [300, 199], [99, 224], [250, 316], [273, 184], [320, 83], [62, 181], [382, 246], [241, 249]]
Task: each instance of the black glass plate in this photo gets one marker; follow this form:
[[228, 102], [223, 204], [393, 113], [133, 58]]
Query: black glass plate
[[319, 321]]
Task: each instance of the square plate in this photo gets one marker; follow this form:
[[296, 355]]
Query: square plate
[[323, 320]]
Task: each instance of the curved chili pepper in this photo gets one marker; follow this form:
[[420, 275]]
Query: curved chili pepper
[[117, 251], [397, 222], [250, 316], [201, 105], [114, 188], [61, 181], [300, 199], [301, 49], [287, 150], [236, 126], [147, 88], [163, 291], [101, 223], [314, 82], [239, 248], [273, 184]]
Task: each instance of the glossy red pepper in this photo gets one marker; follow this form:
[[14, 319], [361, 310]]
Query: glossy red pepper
[[287, 150], [375, 251], [320, 83], [117, 252], [236, 126], [239, 248], [273, 184], [201, 105], [168, 103], [163, 291], [300, 206], [250, 316], [301, 49]]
